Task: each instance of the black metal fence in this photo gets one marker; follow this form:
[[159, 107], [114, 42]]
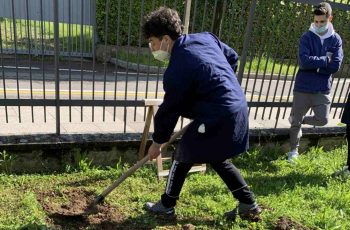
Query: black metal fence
[[96, 75], [28, 27]]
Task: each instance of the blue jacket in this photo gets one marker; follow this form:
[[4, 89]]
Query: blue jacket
[[315, 70], [200, 84]]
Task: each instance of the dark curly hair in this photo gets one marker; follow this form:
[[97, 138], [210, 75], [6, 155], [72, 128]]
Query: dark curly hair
[[164, 21], [323, 8]]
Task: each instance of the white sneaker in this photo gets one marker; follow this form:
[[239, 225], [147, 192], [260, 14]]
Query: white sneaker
[[292, 156]]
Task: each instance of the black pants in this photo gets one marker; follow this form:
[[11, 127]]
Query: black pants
[[226, 170], [348, 138]]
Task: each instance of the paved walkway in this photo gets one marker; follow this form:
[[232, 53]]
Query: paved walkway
[[75, 120], [27, 121]]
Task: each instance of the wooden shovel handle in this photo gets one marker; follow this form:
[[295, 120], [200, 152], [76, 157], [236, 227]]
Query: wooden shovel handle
[[139, 164]]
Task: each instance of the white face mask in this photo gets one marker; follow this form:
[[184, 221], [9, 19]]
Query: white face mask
[[322, 29], [160, 54]]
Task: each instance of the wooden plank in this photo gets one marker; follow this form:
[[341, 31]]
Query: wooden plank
[[152, 102], [159, 166], [144, 138]]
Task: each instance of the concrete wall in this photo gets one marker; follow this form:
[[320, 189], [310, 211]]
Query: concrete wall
[[48, 153]]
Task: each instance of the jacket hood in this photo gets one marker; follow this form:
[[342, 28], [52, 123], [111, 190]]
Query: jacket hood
[[329, 33]]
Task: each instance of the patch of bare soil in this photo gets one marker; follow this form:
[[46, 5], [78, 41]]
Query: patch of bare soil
[[285, 223], [72, 210]]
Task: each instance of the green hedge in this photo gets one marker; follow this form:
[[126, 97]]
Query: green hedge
[[121, 13], [277, 24]]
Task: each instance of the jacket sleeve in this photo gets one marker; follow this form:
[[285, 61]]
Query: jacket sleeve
[[230, 54], [336, 60], [176, 87], [306, 60]]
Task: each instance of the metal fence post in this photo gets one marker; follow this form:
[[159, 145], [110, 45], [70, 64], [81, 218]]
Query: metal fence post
[[93, 21], [187, 16], [246, 41], [57, 51]]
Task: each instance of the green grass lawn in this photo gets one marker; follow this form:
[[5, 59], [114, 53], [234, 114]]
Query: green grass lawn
[[270, 66], [264, 66], [74, 44], [45, 32], [303, 192], [143, 58], [38, 32]]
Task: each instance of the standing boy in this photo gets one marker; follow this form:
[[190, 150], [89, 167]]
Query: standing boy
[[320, 56], [199, 84]]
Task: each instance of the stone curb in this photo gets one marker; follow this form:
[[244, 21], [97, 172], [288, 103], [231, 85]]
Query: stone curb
[[49, 153], [256, 135], [138, 67]]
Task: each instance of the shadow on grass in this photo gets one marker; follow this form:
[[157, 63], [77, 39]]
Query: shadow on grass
[[266, 185], [92, 180], [262, 173], [33, 226], [112, 175], [260, 158], [150, 221], [144, 221]]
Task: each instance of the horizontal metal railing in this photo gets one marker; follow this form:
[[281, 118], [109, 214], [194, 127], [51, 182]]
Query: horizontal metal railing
[[88, 60]]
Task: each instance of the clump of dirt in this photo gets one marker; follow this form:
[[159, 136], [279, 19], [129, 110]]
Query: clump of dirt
[[285, 223], [72, 210]]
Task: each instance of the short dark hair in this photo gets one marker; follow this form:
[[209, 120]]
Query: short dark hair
[[323, 8], [164, 21]]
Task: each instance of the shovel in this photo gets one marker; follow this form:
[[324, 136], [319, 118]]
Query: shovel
[[100, 198]]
